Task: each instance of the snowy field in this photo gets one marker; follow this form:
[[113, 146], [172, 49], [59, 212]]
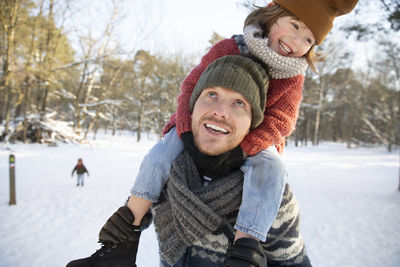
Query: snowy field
[[348, 198]]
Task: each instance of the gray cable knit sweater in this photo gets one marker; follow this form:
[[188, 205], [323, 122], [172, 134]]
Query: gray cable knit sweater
[[194, 223]]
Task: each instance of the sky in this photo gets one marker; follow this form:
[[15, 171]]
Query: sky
[[176, 26], [188, 25], [162, 26], [348, 198]]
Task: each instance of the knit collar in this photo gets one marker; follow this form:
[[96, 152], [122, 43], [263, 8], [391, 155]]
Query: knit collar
[[279, 67], [213, 166]]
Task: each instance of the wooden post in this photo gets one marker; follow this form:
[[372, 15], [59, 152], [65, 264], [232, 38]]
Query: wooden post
[[12, 180]]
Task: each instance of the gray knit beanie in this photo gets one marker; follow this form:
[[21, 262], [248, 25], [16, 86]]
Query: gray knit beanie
[[240, 74]]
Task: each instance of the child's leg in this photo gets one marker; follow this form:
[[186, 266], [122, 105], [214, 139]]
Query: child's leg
[[139, 207], [153, 173], [263, 187], [79, 178]]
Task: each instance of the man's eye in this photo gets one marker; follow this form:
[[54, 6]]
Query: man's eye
[[212, 94], [239, 103]]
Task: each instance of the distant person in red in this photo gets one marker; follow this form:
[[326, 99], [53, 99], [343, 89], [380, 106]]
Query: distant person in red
[[80, 172]]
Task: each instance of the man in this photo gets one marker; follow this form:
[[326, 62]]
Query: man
[[197, 209]]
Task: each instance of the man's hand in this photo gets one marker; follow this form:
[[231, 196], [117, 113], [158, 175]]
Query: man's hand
[[246, 252], [119, 228]]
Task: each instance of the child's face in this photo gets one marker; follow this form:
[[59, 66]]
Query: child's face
[[290, 37]]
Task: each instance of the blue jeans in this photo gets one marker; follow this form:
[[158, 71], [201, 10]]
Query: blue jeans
[[263, 186], [155, 167], [80, 178]]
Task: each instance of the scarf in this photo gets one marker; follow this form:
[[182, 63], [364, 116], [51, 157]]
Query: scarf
[[279, 67], [213, 166], [188, 210]]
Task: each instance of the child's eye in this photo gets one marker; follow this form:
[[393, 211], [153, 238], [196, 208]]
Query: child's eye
[[295, 25], [309, 41]]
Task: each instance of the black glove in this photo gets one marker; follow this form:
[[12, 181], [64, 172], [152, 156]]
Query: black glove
[[119, 228], [213, 166], [246, 252]]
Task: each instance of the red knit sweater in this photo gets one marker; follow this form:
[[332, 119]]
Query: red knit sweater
[[283, 101]]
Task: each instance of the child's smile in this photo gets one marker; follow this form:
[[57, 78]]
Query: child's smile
[[285, 47]]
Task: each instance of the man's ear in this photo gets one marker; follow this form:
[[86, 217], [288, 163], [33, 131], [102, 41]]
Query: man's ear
[[270, 4]]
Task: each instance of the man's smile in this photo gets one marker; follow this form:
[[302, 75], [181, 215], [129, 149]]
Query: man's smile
[[215, 128]]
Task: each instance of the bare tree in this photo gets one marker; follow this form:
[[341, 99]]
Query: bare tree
[[94, 51], [8, 19], [108, 86]]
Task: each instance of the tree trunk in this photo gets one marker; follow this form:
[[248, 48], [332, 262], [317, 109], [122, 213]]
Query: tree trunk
[[77, 122], [9, 25], [47, 59], [114, 122], [139, 128], [96, 128], [8, 109], [318, 116], [25, 107], [93, 122]]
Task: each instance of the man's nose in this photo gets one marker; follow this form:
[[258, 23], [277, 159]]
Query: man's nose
[[221, 109]]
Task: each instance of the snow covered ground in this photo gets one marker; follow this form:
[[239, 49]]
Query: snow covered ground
[[348, 198]]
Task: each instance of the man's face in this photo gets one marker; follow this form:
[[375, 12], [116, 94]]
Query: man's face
[[221, 119]]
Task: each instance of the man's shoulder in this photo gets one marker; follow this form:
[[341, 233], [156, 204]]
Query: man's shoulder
[[284, 243], [288, 210]]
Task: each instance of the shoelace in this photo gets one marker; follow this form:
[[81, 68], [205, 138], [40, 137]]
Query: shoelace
[[105, 248]]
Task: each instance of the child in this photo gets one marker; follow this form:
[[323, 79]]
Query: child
[[282, 35], [80, 172]]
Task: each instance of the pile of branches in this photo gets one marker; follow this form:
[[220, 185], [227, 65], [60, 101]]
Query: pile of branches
[[45, 130]]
